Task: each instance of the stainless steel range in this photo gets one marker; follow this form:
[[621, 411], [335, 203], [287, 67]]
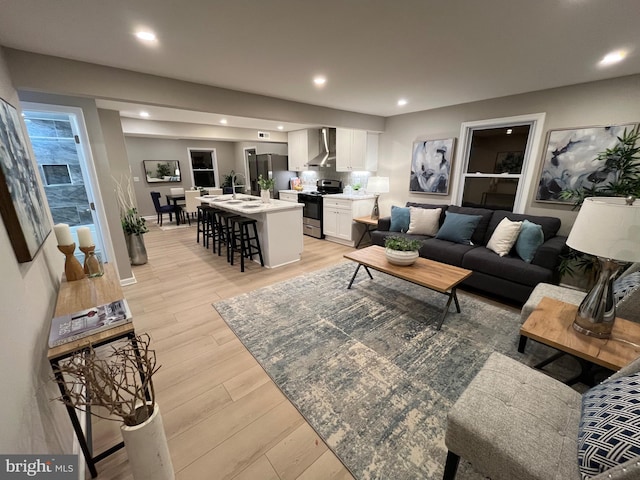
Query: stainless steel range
[[312, 211]]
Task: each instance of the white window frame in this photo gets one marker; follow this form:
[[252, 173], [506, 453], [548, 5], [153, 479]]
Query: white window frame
[[214, 158], [526, 179]]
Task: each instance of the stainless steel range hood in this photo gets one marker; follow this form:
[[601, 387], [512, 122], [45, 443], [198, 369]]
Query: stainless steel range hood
[[327, 156]]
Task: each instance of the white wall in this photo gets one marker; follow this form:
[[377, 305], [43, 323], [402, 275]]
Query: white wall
[[607, 102], [30, 421]]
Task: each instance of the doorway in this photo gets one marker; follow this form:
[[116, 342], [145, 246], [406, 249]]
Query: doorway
[[60, 146]]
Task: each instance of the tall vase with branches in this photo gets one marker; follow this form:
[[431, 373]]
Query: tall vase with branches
[[618, 176], [133, 225]]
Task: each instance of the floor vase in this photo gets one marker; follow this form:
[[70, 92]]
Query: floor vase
[[147, 449], [137, 250]]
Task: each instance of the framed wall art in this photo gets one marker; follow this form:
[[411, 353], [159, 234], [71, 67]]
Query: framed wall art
[[22, 203], [571, 160], [431, 166]]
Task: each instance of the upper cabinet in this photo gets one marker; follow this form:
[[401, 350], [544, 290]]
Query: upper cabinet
[[303, 145], [356, 150]]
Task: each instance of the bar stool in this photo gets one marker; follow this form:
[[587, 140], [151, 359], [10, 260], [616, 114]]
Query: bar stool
[[242, 240], [224, 231], [204, 224]]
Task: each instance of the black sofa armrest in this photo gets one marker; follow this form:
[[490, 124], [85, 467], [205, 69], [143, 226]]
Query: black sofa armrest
[[548, 254], [384, 224]]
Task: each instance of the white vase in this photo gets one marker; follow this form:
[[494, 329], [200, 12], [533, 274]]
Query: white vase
[[397, 257], [265, 195], [147, 449]]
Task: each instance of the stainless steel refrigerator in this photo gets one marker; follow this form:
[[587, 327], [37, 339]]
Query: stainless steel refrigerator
[[269, 165]]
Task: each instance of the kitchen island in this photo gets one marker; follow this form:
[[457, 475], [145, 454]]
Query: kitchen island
[[279, 225]]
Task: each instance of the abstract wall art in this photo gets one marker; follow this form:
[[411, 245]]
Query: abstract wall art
[[571, 160], [431, 166], [22, 203]]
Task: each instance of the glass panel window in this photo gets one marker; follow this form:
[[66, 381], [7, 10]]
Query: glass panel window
[[203, 166], [490, 192], [56, 174]]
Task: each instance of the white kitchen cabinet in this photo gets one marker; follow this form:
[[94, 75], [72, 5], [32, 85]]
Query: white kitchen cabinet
[[289, 197], [303, 146], [356, 150], [338, 213]]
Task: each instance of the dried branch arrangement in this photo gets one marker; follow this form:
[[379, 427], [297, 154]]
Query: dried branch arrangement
[[113, 382]]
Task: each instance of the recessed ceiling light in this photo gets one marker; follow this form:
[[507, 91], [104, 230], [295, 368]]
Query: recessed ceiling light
[[223, 121], [402, 102], [509, 131], [146, 36], [144, 114], [280, 127], [319, 81], [613, 57]]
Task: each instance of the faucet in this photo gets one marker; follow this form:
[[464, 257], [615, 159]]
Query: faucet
[[233, 183]]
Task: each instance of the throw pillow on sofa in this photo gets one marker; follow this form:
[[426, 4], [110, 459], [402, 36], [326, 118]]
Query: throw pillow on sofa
[[424, 221], [504, 236], [609, 432], [530, 238], [399, 219], [458, 227]]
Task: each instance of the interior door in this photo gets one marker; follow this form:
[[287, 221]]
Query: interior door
[[62, 165]]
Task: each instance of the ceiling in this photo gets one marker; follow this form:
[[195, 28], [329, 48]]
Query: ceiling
[[433, 53]]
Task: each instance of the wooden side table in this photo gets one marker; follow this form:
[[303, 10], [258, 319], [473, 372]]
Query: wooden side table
[[370, 226], [551, 324], [82, 295]]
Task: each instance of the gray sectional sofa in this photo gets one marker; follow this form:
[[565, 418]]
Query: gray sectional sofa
[[509, 276]]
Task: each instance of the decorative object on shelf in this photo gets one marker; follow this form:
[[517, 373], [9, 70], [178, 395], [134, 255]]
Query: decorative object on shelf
[[431, 166], [576, 159], [401, 251], [72, 268], [606, 227], [266, 184], [121, 383], [133, 225], [23, 205], [93, 266], [377, 185]]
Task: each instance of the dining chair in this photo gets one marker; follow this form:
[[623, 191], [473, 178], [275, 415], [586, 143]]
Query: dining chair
[[162, 209], [191, 204]]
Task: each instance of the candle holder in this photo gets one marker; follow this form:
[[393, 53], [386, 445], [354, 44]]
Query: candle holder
[[72, 268], [92, 264]]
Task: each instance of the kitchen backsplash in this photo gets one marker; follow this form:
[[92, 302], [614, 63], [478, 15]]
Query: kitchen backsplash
[[310, 177]]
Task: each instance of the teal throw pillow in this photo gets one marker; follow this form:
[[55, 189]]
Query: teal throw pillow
[[530, 238], [458, 227], [400, 217]]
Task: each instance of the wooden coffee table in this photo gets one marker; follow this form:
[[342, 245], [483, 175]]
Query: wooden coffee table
[[551, 323], [433, 275]]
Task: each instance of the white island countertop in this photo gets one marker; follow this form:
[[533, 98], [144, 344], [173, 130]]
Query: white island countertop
[[247, 204], [279, 225]]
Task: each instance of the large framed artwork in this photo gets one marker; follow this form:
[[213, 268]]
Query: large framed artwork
[[21, 202], [571, 160], [431, 166]]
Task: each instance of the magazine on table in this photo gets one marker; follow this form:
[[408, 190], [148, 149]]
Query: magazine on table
[[68, 328]]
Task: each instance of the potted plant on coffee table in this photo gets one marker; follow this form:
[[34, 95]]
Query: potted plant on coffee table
[[401, 250], [266, 184], [117, 385]]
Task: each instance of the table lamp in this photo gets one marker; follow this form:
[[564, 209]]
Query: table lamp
[[377, 185], [608, 228]]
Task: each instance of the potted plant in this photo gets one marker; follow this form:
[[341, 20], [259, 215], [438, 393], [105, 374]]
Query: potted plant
[[266, 184], [121, 384], [133, 225], [401, 251]]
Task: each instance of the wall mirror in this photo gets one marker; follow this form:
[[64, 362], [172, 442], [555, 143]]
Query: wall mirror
[[162, 171]]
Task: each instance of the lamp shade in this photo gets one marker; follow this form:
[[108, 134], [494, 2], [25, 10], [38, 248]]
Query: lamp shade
[[378, 185], [607, 227]]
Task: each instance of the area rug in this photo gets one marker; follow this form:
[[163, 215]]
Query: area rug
[[367, 368], [166, 228]]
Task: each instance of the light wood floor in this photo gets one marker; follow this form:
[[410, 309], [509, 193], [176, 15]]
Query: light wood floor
[[224, 418]]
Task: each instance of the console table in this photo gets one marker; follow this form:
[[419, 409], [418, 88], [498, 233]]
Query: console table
[[73, 297]]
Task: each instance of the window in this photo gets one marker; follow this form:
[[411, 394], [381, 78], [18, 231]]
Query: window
[[493, 161], [204, 168], [56, 174]]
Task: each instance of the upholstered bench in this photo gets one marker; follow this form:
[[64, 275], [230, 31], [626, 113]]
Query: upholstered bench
[[514, 422]]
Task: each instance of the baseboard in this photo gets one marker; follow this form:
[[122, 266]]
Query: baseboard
[[128, 281]]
